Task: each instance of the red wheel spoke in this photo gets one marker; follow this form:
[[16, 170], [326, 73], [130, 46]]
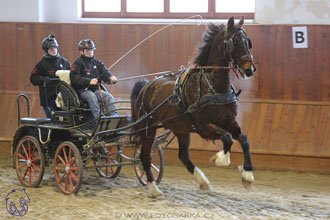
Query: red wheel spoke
[[71, 183], [60, 168], [34, 174], [29, 148], [66, 182], [27, 168], [30, 175], [66, 159], [21, 156], [23, 165], [34, 149], [74, 159], [61, 179], [38, 168], [38, 158], [69, 154], [74, 177], [27, 156], [58, 156], [74, 168]]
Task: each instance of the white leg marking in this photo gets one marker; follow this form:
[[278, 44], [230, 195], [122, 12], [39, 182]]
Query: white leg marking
[[221, 159], [154, 190], [248, 176], [201, 179]]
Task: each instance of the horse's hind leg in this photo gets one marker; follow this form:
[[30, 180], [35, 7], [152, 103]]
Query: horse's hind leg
[[237, 134], [184, 155], [222, 158], [147, 142]]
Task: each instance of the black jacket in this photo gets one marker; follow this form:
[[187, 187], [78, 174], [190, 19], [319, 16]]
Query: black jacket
[[45, 69], [84, 69]]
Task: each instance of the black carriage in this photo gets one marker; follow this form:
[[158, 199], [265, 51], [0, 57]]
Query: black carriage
[[72, 141]]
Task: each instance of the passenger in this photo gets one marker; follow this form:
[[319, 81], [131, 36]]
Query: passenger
[[85, 73], [45, 70]]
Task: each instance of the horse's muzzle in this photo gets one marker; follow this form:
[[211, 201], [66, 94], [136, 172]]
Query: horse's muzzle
[[248, 72], [248, 68]]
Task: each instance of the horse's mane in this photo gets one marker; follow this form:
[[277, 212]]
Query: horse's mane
[[204, 49]]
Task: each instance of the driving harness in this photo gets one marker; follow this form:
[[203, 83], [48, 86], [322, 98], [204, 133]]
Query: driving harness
[[211, 98]]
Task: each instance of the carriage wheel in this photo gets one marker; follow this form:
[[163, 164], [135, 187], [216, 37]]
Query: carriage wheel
[[157, 165], [30, 161], [68, 168], [109, 156]]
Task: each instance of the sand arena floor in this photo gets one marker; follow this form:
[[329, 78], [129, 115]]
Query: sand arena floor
[[274, 195]]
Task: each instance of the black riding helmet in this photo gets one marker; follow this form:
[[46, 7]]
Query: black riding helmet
[[86, 44], [49, 42]]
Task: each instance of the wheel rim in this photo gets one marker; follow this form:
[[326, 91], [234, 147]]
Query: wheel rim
[[157, 165], [108, 155], [68, 168], [30, 162]]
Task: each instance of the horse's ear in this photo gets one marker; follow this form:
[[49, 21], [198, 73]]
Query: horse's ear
[[230, 22], [241, 21]]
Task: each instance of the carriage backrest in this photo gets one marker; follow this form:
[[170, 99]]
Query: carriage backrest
[[67, 97]]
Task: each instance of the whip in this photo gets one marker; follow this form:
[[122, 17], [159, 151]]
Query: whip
[[145, 39]]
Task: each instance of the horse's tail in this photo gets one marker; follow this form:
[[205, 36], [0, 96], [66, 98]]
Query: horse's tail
[[135, 93]]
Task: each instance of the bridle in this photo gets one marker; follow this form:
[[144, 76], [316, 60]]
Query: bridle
[[229, 48]]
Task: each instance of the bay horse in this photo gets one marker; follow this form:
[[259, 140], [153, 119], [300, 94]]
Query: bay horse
[[201, 99]]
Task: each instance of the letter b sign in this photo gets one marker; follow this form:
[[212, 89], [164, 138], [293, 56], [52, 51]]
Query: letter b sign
[[299, 37]]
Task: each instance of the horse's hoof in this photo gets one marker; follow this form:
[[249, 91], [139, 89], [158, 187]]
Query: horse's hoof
[[154, 190], [206, 187], [201, 179], [221, 159], [247, 176], [247, 185]]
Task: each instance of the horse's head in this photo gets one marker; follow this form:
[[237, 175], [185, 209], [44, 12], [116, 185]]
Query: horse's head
[[237, 48]]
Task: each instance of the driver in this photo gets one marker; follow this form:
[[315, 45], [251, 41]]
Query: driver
[[45, 70], [85, 73]]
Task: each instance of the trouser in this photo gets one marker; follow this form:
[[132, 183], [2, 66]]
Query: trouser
[[92, 98]]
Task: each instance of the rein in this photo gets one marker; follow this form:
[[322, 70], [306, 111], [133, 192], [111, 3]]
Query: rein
[[177, 71]]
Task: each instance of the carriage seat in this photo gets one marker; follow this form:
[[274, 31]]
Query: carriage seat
[[35, 121], [67, 97]]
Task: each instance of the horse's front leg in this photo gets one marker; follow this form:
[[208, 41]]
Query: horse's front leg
[[184, 155], [147, 142], [222, 158], [236, 131]]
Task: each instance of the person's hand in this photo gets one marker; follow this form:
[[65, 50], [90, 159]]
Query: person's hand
[[93, 81], [113, 79]]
